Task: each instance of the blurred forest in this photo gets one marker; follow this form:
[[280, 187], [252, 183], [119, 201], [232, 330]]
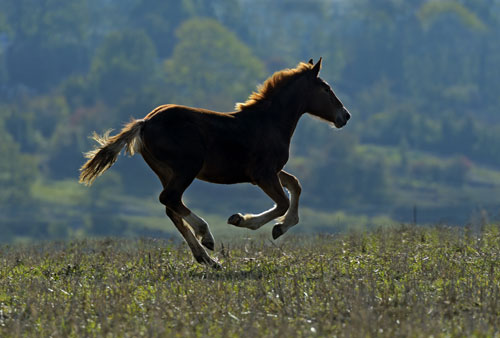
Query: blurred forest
[[421, 79]]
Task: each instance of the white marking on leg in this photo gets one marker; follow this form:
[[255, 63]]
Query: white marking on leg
[[292, 215], [255, 221], [197, 223], [201, 229]]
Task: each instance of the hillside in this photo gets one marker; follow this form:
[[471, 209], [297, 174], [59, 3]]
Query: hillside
[[420, 78]]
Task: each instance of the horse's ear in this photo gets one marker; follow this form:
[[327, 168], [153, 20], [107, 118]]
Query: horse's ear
[[311, 62], [317, 67]]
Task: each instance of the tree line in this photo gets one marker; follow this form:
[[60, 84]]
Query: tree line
[[420, 77]]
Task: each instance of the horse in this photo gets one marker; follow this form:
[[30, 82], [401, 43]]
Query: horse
[[250, 145]]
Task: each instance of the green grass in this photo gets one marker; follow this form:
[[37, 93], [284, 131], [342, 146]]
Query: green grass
[[399, 281]]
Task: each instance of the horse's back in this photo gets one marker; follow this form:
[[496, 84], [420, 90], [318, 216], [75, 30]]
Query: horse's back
[[215, 145]]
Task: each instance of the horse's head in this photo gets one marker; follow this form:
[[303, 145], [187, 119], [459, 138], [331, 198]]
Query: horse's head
[[322, 101]]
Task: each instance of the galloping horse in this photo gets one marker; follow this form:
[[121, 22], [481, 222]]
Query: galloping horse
[[249, 145]]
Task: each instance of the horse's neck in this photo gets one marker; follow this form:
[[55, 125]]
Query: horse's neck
[[282, 112], [288, 111]]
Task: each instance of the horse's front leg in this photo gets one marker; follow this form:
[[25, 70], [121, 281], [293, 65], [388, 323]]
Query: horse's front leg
[[292, 184], [273, 188]]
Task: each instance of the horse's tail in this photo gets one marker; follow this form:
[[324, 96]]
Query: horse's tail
[[103, 157]]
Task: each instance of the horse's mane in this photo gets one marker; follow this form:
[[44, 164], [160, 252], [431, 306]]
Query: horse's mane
[[273, 84]]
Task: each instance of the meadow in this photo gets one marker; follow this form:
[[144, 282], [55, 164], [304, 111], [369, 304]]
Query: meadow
[[403, 281]]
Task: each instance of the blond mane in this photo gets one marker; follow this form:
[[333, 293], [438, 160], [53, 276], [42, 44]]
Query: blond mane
[[273, 84]]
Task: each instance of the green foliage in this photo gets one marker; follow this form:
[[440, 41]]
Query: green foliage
[[210, 66], [453, 171], [421, 79], [402, 281], [48, 40], [14, 167], [122, 64], [354, 178], [36, 123], [431, 11], [160, 19]]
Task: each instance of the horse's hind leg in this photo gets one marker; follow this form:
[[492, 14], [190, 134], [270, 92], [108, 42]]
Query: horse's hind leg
[[199, 253], [292, 184], [171, 197], [201, 230], [174, 185]]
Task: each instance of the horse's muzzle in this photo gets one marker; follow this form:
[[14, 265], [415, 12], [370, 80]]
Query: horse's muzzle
[[342, 118]]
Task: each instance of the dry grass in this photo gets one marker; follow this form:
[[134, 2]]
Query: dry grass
[[399, 282]]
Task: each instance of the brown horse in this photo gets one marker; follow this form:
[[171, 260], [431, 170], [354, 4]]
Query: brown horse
[[249, 145]]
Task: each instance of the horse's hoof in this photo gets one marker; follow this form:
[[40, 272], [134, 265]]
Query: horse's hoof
[[212, 263], [277, 231], [215, 265], [208, 243], [206, 260], [235, 219]]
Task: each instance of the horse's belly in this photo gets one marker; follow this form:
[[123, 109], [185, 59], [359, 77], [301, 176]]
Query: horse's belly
[[226, 175]]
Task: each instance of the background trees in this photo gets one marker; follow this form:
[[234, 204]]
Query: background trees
[[210, 66], [421, 79]]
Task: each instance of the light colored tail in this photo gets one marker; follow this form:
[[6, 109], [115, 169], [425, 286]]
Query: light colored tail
[[103, 157]]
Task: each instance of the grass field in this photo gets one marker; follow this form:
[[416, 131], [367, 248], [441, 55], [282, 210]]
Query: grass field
[[395, 282]]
